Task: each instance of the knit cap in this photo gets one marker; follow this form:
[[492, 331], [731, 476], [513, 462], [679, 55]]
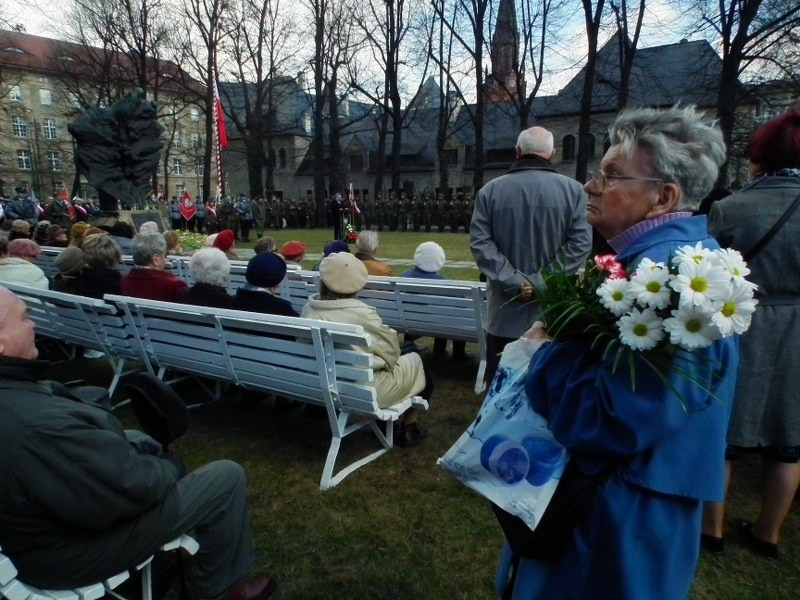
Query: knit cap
[[70, 261], [429, 257], [265, 270]]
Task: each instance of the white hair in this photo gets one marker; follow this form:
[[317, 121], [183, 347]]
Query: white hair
[[535, 140], [149, 227], [210, 265]]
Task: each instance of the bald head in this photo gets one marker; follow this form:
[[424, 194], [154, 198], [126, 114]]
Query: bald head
[[16, 329], [536, 140]]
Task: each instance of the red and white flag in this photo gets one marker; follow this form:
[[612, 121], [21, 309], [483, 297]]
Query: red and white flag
[[352, 199], [187, 206], [67, 205], [221, 133]]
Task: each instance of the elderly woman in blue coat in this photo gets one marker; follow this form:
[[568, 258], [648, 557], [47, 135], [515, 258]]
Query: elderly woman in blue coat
[[641, 538]]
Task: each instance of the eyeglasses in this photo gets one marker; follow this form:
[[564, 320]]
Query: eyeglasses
[[601, 179]]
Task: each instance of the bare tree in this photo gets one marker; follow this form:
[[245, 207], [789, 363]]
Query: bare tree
[[467, 21], [201, 40], [260, 38], [748, 32], [627, 43], [592, 15]]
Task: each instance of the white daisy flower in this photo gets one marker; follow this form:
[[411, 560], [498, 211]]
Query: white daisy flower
[[700, 284], [640, 330], [616, 296], [648, 265], [732, 263], [691, 328], [734, 310], [692, 254], [649, 285]]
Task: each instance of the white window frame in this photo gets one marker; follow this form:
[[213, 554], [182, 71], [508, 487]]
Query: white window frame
[[75, 100], [20, 126], [54, 160], [46, 97], [197, 141], [194, 115], [15, 93], [49, 129], [199, 168], [177, 167], [24, 160]]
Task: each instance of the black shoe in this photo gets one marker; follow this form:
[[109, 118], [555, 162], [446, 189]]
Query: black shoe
[[761, 547], [712, 544], [409, 436]]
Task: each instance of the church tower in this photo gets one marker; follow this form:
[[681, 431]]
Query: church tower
[[504, 82]]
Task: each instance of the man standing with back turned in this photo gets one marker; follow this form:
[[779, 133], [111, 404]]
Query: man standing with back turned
[[523, 223]]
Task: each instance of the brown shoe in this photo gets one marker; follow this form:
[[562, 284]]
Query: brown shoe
[[257, 588]]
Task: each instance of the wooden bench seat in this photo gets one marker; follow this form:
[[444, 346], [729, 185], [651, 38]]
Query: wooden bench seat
[[317, 362]]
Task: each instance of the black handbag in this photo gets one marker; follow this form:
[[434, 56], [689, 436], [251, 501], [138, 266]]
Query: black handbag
[[571, 501]]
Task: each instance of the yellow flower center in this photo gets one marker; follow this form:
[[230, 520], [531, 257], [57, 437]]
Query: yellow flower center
[[617, 296], [640, 330], [698, 284], [697, 258], [736, 271], [693, 326], [729, 309], [653, 287]]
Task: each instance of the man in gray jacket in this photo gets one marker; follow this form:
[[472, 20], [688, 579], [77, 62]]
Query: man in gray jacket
[[79, 504], [524, 222]]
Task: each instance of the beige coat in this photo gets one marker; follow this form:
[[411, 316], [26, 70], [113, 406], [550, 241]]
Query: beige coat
[[396, 377]]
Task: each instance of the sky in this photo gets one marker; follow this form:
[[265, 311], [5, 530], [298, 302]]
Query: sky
[[664, 24]]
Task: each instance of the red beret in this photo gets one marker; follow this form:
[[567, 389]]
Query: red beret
[[293, 250], [225, 240]]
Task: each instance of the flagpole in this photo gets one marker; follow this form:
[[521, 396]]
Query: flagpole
[[217, 147]]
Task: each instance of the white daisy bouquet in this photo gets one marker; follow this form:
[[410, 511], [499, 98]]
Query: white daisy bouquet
[[658, 311]]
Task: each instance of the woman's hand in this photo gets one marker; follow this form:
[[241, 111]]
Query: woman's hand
[[537, 332]]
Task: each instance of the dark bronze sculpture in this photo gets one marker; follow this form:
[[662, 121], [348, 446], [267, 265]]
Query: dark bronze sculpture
[[118, 149]]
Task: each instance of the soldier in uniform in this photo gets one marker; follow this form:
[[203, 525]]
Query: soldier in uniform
[[380, 212], [227, 217], [467, 206], [245, 213], [60, 213], [277, 213], [212, 224], [426, 212], [453, 210], [199, 214], [404, 209], [302, 214], [414, 212], [392, 212], [257, 208], [441, 212], [175, 218], [291, 214], [366, 212]]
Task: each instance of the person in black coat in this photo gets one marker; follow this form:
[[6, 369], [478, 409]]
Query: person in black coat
[[210, 270], [264, 274]]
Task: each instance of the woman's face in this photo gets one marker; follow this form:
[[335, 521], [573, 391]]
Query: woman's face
[[623, 202]]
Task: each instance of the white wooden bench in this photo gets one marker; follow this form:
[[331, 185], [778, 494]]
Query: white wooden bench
[[84, 322], [443, 308], [13, 589], [322, 363]]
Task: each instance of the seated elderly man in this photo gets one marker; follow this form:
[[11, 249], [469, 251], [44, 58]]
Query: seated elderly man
[[397, 377], [210, 270], [78, 504], [367, 248], [148, 278]]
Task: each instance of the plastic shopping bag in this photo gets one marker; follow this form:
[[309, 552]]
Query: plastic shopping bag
[[509, 454]]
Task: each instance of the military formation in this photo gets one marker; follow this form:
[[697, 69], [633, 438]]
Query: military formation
[[57, 210], [397, 212]]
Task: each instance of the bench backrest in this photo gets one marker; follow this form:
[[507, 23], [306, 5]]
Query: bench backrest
[[78, 320], [304, 359]]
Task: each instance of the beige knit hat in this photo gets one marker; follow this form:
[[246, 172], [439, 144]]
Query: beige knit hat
[[343, 273]]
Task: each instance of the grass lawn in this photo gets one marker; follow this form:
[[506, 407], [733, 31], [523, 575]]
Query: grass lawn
[[400, 528]]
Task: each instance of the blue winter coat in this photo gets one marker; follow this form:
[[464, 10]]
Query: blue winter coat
[[641, 540]]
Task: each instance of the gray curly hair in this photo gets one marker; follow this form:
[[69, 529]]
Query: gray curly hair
[[684, 146]]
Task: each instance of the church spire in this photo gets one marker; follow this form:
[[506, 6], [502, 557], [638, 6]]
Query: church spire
[[504, 83]]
